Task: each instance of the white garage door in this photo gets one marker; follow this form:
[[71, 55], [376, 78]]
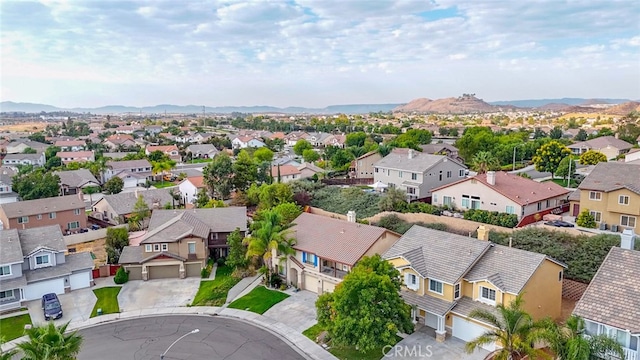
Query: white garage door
[[467, 331], [36, 290], [80, 280], [310, 283], [431, 320]]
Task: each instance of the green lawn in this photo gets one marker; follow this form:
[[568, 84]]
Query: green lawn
[[13, 327], [160, 184], [107, 300], [214, 292], [198, 161], [563, 182], [346, 352], [259, 300]]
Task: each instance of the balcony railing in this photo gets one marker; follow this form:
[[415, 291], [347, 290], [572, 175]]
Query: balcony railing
[[340, 274], [628, 355]]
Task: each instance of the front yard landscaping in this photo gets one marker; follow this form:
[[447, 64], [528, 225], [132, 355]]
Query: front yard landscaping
[[259, 300], [214, 292], [13, 327], [107, 300], [345, 352]]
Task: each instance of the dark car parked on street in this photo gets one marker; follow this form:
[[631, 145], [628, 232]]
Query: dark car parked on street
[[51, 307], [559, 223]]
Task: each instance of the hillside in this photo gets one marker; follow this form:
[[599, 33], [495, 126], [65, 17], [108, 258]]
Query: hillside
[[623, 109], [467, 103]]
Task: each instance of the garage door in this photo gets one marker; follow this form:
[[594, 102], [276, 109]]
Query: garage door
[[467, 331], [164, 272], [193, 270], [310, 283], [431, 320], [80, 280], [36, 290], [328, 287], [135, 272]]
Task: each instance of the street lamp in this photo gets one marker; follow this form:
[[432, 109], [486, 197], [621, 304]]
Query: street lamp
[[514, 156], [195, 331]]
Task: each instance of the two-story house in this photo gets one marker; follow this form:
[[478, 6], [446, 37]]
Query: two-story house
[[13, 160], [611, 193], [170, 150], [33, 263], [446, 276], [7, 195], [116, 208], [67, 212], [364, 165], [442, 149], [501, 192], [190, 187], [76, 156], [71, 145], [19, 145], [610, 304], [180, 241], [293, 137], [285, 173], [119, 141], [417, 173], [132, 172], [243, 142], [327, 249], [73, 181], [611, 146]]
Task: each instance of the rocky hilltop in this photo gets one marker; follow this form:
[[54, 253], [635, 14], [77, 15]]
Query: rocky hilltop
[[465, 104]]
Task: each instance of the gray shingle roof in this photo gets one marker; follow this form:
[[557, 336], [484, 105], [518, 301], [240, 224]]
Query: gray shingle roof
[[430, 303], [45, 236], [42, 206], [31, 157], [507, 268], [465, 305], [333, 239], [123, 203], [73, 263], [202, 149], [116, 155], [602, 142], [128, 164], [183, 224], [131, 255], [613, 296], [218, 219], [445, 256], [13, 283], [6, 175], [76, 178], [10, 248], [610, 176], [398, 159]]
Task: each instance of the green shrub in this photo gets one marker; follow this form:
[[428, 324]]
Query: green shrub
[[121, 277], [585, 219], [435, 226], [205, 272], [221, 261], [492, 217]]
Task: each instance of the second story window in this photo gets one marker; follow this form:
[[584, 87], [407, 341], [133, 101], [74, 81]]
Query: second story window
[[42, 260], [76, 212], [5, 270], [623, 200], [23, 219], [595, 195], [435, 286], [52, 215], [456, 291], [411, 281], [414, 176], [487, 294]]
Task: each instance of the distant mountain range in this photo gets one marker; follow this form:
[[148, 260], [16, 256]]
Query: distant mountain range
[[9, 106], [466, 103]]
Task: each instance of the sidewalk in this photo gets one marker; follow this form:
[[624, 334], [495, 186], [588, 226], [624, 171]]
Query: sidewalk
[[243, 287], [304, 345]]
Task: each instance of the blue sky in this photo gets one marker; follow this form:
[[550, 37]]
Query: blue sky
[[315, 53]]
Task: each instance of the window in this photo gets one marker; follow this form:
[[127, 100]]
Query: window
[[192, 247], [465, 201], [461, 173], [440, 176], [411, 190], [308, 258], [594, 195], [5, 270], [39, 217], [540, 206], [156, 247], [456, 291], [623, 200], [376, 169], [76, 212], [435, 286], [628, 221], [42, 259], [449, 174], [23, 219], [52, 215], [510, 210], [399, 174], [548, 203], [434, 198], [165, 247], [487, 294], [414, 176], [7, 295], [411, 280], [73, 225], [446, 200], [147, 248], [560, 275], [596, 215], [475, 202]]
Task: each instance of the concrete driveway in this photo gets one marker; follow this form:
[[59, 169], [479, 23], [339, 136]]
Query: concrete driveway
[[76, 306], [138, 294], [298, 311], [423, 345]]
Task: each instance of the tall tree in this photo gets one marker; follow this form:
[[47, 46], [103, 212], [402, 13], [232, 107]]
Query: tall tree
[[549, 155], [564, 170], [36, 185], [300, 146], [237, 251], [310, 155], [218, 175], [484, 161], [113, 185], [592, 157], [556, 133], [140, 214], [202, 198], [161, 167], [117, 239], [356, 139], [366, 309], [263, 154], [50, 342], [245, 171], [581, 135], [512, 327], [269, 240]]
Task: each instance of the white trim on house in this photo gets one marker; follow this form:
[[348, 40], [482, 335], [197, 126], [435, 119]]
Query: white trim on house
[[441, 286]]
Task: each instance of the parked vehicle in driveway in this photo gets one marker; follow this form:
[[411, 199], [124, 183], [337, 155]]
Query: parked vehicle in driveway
[[51, 307], [559, 223]]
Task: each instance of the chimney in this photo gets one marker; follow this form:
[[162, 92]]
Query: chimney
[[491, 177], [351, 216], [483, 233], [627, 239], [410, 154]]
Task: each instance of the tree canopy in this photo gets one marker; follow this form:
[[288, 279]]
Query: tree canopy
[[50, 342], [113, 185], [36, 185], [592, 157], [218, 176], [549, 155], [300, 146]]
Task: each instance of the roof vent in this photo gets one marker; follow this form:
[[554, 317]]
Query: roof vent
[[342, 231]]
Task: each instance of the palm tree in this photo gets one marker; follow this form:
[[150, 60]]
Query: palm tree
[[50, 342], [484, 161], [569, 342], [514, 329], [159, 167]]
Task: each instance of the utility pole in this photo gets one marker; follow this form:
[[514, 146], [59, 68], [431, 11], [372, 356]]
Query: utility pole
[[569, 175], [514, 157]]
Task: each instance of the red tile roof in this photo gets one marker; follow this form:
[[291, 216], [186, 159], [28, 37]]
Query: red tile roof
[[163, 148], [197, 181], [285, 170]]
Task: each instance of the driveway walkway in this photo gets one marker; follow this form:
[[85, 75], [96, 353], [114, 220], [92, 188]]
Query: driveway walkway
[[422, 344], [138, 294], [76, 306], [298, 311]]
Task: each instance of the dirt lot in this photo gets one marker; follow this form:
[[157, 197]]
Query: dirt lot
[[29, 126], [96, 247]]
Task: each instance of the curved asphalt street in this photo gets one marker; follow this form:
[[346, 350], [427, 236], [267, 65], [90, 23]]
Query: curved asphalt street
[[148, 337]]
